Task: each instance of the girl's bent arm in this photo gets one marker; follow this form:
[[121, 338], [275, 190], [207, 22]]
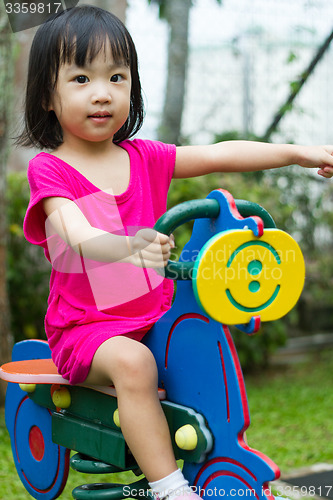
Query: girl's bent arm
[[71, 225], [147, 248], [246, 156]]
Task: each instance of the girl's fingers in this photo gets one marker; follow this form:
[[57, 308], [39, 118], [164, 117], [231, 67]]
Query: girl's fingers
[[154, 248], [326, 172]]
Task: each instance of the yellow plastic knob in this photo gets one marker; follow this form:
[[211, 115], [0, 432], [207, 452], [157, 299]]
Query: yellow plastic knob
[[61, 398], [186, 437], [116, 418], [28, 387]]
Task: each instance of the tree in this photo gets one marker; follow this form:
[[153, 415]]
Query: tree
[[5, 84], [117, 7], [177, 14]]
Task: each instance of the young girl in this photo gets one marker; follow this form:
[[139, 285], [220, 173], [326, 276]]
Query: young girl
[[94, 199]]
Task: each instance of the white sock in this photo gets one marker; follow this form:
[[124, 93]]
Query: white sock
[[171, 486]]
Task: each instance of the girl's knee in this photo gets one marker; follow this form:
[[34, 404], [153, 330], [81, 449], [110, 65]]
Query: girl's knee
[[136, 368], [123, 361]]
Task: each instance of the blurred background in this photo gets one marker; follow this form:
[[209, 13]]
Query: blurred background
[[211, 70]]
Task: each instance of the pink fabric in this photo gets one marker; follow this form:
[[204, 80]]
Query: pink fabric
[[89, 301]]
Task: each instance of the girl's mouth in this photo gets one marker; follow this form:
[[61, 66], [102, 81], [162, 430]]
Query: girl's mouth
[[100, 117]]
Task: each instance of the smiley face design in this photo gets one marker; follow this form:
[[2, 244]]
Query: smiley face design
[[238, 275]]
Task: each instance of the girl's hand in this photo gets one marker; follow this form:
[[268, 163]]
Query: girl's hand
[[317, 156], [150, 249]]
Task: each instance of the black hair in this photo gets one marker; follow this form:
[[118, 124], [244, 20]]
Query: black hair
[[74, 35]]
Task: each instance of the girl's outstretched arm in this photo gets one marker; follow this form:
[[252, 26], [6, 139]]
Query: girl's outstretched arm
[[247, 156], [147, 248]]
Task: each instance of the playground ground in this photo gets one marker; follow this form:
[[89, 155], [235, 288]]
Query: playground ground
[[291, 422]]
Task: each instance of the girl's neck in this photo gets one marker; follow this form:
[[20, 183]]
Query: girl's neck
[[85, 149], [108, 168]]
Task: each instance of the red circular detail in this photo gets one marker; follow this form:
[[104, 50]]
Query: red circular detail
[[36, 443]]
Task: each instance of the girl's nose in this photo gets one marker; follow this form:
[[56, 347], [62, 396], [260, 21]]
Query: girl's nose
[[101, 93]]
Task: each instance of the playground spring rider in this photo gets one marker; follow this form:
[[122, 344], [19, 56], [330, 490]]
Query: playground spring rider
[[231, 272]]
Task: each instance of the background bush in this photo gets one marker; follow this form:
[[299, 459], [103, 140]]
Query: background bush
[[28, 270]]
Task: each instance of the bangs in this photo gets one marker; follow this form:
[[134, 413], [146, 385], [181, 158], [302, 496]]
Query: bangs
[[82, 48], [83, 37]]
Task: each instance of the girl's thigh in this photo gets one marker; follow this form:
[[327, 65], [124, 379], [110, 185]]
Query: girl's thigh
[[120, 358]]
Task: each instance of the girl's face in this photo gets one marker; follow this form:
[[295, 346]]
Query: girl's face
[[92, 102]]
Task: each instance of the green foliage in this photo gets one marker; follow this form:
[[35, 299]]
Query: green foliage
[[294, 86], [291, 57], [254, 351], [27, 269], [309, 220]]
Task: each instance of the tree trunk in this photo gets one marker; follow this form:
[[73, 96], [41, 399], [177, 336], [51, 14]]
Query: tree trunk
[[117, 7], [6, 67], [177, 15]]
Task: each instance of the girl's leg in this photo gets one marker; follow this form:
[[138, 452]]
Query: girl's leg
[[131, 367]]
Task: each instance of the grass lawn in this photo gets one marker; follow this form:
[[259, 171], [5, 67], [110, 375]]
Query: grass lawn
[[292, 413], [291, 422]]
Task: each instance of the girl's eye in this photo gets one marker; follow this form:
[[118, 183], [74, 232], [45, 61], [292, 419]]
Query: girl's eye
[[116, 78], [81, 79]]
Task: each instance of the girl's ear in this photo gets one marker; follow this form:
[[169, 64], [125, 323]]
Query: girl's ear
[[49, 106]]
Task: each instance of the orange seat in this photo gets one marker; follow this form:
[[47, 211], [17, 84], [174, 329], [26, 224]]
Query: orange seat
[[44, 371]]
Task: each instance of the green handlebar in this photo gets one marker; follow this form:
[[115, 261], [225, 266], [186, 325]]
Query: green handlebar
[[201, 209], [184, 212], [248, 209]]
